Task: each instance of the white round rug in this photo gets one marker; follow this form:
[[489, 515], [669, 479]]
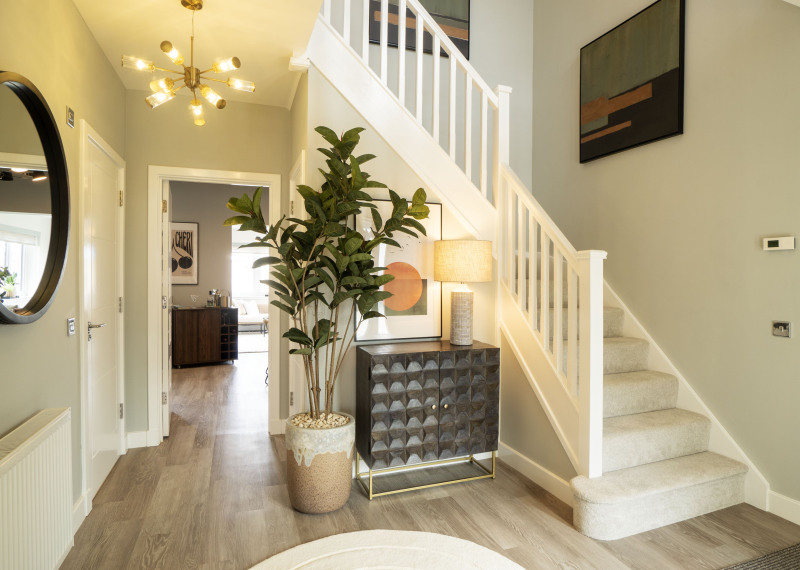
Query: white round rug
[[388, 549]]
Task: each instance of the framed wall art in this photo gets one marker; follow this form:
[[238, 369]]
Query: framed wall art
[[184, 253], [451, 15], [632, 82], [415, 309]]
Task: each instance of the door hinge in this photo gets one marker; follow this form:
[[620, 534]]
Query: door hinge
[[121, 408], [291, 208], [164, 398], [163, 206], [120, 304], [291, 398], [121, 199]]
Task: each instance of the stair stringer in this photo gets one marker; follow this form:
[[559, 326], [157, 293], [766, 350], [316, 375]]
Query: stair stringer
[[359, 85], [757, 488], [559, 406]]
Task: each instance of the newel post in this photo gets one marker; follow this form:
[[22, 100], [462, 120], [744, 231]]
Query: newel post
[[502, 126], [590, 373]]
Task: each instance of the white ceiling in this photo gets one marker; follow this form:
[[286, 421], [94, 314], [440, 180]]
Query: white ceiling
[[263, 34]]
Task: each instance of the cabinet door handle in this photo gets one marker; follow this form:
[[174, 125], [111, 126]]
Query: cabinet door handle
[[433, 407], [446, 406]]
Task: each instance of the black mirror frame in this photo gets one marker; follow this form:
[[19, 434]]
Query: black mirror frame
[[59, 196]]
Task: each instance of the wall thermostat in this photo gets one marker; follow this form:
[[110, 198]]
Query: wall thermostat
[[777, 243]]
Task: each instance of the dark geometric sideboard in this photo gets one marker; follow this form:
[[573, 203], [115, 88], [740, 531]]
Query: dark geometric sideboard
[[426, 401]]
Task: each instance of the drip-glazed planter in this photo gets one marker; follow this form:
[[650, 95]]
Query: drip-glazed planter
[[319, 466]]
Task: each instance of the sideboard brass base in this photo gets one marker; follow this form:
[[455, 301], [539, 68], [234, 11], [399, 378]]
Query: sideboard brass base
[[369, 488]]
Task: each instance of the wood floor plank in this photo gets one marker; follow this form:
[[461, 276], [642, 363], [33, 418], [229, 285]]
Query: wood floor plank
[[213, 497]]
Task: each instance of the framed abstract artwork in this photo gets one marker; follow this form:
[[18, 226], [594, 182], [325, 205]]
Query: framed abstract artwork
[[415, 308], [632, 82], [451, 15], [184, 253]]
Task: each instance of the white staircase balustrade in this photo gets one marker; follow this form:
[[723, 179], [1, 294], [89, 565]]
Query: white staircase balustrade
[[537, 264]]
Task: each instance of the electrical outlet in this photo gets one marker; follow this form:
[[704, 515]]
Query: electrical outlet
[[71, 326], [782, 328]]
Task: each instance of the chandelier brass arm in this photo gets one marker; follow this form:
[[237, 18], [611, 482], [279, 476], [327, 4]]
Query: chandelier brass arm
[[164, 89]]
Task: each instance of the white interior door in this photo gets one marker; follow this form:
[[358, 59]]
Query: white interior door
[[166, 308], [102, 263]]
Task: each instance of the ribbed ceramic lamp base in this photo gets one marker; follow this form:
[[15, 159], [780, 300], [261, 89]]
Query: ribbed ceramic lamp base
[[461, 317]]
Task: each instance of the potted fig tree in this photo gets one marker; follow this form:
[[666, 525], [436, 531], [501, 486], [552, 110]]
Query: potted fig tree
[[324, 275]]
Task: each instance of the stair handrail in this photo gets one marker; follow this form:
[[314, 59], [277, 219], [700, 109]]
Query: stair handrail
[[489, 99]]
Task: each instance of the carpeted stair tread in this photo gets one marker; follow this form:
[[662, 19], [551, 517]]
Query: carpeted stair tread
[[653, 478], [637, 439], [624, 354], [613, 319], [638, 392]]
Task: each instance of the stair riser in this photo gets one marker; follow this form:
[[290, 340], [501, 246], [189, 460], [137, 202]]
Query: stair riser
[[622, 398], [618, 520], [624, 358], [612, 323], [633, 448]]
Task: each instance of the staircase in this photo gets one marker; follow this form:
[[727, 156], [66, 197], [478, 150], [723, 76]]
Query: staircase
[[657, 469], [642, 462]]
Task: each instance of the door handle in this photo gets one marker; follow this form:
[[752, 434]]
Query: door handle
[[93, 326]]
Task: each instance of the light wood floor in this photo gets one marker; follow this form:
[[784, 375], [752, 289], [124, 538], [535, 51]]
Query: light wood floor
[[213, 496]]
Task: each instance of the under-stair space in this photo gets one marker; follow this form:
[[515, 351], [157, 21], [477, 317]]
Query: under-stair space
[[642, 461], [657, 469]]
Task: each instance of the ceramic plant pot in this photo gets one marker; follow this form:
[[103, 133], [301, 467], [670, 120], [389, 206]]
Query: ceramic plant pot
[[319, 466]]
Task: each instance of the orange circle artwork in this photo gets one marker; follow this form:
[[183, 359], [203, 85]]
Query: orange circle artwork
[[406, 287]]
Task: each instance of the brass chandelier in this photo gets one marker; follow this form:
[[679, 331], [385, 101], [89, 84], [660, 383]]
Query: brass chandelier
[[165, 89]]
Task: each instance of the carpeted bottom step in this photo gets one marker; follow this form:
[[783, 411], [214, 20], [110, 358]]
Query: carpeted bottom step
[[642, 498], [638, 392]]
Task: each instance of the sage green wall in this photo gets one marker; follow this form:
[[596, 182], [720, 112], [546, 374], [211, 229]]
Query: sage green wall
[[501, 50], [524, 426], [48, 42], [682, 219], [242, 137], [204, 204]]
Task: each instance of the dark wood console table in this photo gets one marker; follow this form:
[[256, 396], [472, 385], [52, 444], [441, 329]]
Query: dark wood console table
[[424, 404], [203, 335]]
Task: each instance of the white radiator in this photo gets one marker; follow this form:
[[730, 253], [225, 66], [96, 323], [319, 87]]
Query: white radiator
[[36, 492]]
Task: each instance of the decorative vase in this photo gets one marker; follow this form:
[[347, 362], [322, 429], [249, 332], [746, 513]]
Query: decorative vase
[[319, 466]]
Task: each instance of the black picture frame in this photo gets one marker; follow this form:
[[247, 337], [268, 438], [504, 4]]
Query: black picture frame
[[444, 20], [632, 82]]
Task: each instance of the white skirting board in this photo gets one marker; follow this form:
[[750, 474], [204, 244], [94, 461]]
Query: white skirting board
[[785, 507], [542, 476], [80, 510], [136, 439], [277, 427]]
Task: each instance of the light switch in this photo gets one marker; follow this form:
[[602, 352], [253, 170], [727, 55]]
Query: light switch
[[71, 326]]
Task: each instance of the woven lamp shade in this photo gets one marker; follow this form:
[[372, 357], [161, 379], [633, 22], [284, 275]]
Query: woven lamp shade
[[462, 260]]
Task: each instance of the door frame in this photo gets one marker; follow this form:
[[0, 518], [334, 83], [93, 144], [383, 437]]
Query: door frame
[[156, 175], [298, 401], [89, 136]]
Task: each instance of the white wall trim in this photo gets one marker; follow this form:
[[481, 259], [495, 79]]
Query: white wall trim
[[785, 507], [80, 510], [757, 489], [137, 439], [156, 175], [542, 476], [277, 427]]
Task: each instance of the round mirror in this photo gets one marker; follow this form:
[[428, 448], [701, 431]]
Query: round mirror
[[34, 202]]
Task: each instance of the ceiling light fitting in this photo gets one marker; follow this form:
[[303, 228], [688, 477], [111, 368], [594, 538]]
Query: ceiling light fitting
[[164, 89]]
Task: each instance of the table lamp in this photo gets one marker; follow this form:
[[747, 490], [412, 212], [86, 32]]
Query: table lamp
[[462, 261]]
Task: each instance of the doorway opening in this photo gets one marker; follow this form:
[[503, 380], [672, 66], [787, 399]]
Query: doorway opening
[[161, 299]]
